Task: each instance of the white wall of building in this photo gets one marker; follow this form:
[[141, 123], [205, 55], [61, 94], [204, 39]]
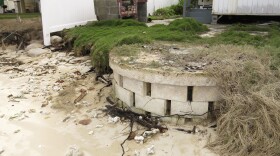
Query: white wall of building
[[153, 5], [10, 4], [62, 14], [246, 7]]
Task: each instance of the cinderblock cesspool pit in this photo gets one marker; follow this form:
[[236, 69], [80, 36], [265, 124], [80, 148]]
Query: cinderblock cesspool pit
[[154, 79]]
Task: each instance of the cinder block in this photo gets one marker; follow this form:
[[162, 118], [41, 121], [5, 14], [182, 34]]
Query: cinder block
[[169, 92], [118, 79], [180, 108], [112, 3], [200, 108], [124, 95], [205, 94], [114, 10], [156, 106], [139, 87]]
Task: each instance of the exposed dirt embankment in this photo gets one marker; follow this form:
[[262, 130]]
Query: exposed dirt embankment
[[20, 32]]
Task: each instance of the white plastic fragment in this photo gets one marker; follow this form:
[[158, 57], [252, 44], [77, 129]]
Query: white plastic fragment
[[98, 126], [113, 120], [90, 133], [151, 150], [139, 139]]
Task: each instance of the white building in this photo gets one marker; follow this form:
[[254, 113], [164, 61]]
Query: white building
[[22, 6]]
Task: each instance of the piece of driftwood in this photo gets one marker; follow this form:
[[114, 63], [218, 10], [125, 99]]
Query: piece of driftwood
[[82, 95], [141, 119]]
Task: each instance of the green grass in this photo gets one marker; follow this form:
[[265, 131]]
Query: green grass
[[23, 16], [101, 37], [164, 17]]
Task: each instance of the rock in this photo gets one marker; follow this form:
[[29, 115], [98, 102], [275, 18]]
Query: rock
[[2, 115], [85, 121], [55, 40], [17, 131], [74, 151], [33, 46], [151, 150], [44, 104], [37, 52]]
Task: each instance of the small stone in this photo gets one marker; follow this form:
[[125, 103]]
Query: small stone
[[17, 131], [90, 133], [85, 121], [55, 40]]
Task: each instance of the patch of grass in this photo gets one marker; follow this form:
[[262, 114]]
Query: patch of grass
[[100, 37], [169, 12], [237, 38], [134, 39], [164, 17], [249, 27], [187, 25], [126, 50], [14, 16], [154, 64]]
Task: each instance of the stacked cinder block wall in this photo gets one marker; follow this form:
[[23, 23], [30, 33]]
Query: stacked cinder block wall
[[106, 9], [165, 94]]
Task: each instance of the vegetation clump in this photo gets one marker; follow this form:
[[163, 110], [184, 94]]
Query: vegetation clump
[[248, 114], [100, 37]]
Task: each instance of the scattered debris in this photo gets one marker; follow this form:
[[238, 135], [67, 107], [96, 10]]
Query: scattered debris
[[145, 121], [74, 151]]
